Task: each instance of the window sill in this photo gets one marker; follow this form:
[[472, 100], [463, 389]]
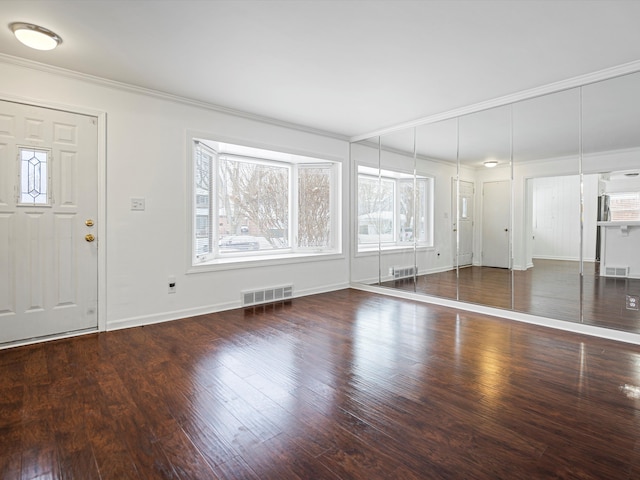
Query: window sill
[[262, 261], [393, 249]]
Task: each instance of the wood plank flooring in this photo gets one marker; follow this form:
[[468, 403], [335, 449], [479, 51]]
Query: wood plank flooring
[[343, 385], [552, 288]]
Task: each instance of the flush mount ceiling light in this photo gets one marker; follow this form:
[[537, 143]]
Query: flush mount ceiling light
[[490, 163], [35, 36]]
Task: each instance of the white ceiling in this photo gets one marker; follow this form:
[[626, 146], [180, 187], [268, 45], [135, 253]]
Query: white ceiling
[[348, 67]]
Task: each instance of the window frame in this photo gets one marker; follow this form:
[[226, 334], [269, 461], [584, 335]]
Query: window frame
[[630, 214], [216, 207], [294, 162]]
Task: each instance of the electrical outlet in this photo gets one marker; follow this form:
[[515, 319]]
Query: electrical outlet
[[172, 284], [137, 204], [632, 302]]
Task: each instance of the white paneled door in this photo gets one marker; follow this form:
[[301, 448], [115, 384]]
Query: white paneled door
[[496, 213], [48, 224]]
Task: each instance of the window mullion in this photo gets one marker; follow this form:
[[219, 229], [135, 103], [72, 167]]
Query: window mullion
[[294, 203], [334, 207], [214, 206], [397, 191]]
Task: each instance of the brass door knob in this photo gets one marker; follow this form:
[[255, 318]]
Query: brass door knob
[[89, 237]]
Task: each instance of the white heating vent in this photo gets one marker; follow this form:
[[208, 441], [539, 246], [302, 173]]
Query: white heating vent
[[403, 272], [622, 272], [266, 295]]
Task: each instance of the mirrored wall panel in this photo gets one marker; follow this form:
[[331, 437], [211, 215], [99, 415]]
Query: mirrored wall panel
[[611, 168], [532, 207], [365, 198], [437, 158], [429, 266], [484, 208], [546, 203], [401, 215]]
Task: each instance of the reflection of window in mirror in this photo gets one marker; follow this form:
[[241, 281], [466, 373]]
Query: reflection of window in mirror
[[624, 206], [464, 209], [394, 209]]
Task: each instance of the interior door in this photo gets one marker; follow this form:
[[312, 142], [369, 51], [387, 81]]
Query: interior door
[[465, 223], [496, 201], [48, 209]]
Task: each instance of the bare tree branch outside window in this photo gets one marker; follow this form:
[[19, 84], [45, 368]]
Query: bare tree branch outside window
[[314, 207], [245, 199], [255, 200]]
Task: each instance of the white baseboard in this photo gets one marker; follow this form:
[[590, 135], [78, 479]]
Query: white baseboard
[[581, 328], [552, 257], [389, 278], [520, 268], [205, 309]]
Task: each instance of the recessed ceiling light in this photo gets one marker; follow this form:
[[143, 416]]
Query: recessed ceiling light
[[490, 163], [35, 36]]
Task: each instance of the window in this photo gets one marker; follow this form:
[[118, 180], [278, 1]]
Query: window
[[34, 177], [394, 209], [202, 201], [624, 206], [314, 206], [254, 203]]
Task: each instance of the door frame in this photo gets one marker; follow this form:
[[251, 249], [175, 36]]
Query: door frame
[[102, 203]]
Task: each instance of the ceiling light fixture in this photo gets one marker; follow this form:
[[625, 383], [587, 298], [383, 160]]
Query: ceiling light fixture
[[490, 163], [35, 36]]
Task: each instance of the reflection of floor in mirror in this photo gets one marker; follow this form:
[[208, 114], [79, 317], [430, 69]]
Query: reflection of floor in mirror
[[550, 289]]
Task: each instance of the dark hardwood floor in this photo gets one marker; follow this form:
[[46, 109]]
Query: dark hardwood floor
[[552, 288], [343, 385]]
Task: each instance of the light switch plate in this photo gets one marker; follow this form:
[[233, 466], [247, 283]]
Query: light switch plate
[[137, 204]]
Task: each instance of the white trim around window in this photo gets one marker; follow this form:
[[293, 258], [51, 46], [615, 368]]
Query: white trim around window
[[252, 206]]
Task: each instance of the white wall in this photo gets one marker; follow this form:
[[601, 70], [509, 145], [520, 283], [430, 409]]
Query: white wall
[[147, 156], [522, 216], [556, 217]]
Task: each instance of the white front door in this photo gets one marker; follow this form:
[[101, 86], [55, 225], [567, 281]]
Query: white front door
[[464, 224], [496, 199], [48, 209]]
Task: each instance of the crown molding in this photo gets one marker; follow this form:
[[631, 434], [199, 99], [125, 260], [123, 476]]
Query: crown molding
[[104, 82], [574, 82]]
